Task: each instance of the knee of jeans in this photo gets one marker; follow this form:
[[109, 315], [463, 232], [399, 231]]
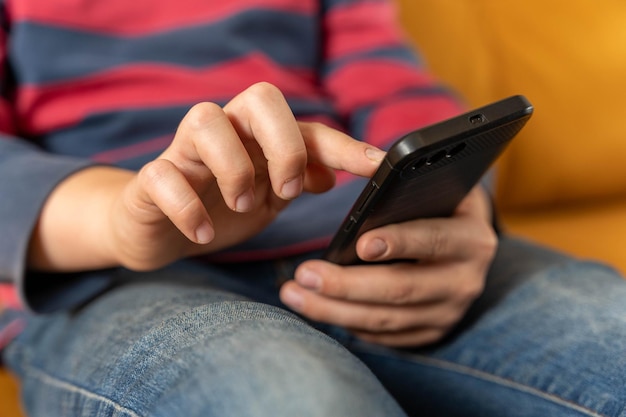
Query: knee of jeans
[[244, 358], [165, 350]]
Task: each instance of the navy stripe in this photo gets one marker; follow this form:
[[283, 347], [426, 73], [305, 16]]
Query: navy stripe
[[108, 131], [328, 5], [120, 129], [42, 54]]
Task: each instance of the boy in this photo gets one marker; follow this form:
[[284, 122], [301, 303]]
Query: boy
[[170, 166]]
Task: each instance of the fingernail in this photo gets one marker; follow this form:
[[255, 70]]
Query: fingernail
[[375, 154], [309, 279], [291, 188], [292, 299], [375, 249], [204, 233], [245, 202]]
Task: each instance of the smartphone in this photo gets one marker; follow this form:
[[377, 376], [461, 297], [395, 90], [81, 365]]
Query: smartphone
[[427, 173]]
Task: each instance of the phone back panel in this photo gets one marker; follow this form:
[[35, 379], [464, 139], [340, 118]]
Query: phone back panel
[[431, 175]]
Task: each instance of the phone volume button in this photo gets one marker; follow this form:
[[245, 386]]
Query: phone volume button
[[369, 197], [348, 227]]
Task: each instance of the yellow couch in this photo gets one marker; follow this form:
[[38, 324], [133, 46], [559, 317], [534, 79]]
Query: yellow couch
[[9, 406], [563, 182]]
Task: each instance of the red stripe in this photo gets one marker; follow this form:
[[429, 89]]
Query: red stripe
[[361, 27], [343, 177], [62, 104], [134, 17], [389, 122], [368, 81], [9, 297], [392, 121], [11, 331]]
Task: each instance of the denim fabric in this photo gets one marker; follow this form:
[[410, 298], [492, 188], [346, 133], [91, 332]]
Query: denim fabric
[[547, 339]]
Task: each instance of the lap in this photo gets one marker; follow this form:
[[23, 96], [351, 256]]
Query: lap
[[163, 349], [546, 338]]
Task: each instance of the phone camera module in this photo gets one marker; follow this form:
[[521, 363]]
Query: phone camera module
[[455, 150], [417, 165], [436, 158]]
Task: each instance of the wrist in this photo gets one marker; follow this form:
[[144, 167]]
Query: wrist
[[74, 228]]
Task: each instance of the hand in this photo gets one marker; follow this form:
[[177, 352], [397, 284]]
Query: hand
[[404, 303], [227, 174]]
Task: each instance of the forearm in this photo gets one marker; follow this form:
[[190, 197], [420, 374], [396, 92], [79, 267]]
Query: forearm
[[72, 231]]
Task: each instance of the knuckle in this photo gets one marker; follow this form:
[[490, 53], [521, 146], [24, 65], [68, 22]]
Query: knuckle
[[291, 154], [153, 172], [203, 114], [382, 322], [448, 318], [313, 312], [263, 91], [294, 164], [478, 288], [438, 241], [153, 178], [186, 210], [335, 289], [401, 293], [491, 245], [488, 241], [308, 128], [238, 176], [470, 290], [433, 336]]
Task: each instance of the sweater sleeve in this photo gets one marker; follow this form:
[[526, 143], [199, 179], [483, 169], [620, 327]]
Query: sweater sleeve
[[374, 77], [27, 176]]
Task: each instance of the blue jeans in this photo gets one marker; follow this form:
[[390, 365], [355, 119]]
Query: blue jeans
[[547, 338]]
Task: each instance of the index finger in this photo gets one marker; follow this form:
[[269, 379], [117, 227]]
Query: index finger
[[334, 149]]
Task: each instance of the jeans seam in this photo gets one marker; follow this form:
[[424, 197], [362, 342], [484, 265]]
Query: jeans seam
[[48, 379], [485, 376]]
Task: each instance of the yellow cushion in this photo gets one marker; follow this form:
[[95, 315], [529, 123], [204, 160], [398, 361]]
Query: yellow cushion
[[9, 405], [568, 57], [595, 231], [563, 181]]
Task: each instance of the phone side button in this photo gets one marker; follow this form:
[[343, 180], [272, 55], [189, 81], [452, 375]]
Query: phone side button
[[348, 227], [368, 199]]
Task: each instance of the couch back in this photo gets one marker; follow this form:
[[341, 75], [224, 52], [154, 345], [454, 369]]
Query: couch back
[[569, 58]]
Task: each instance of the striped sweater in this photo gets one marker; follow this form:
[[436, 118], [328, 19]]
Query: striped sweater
[[86, 82]]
